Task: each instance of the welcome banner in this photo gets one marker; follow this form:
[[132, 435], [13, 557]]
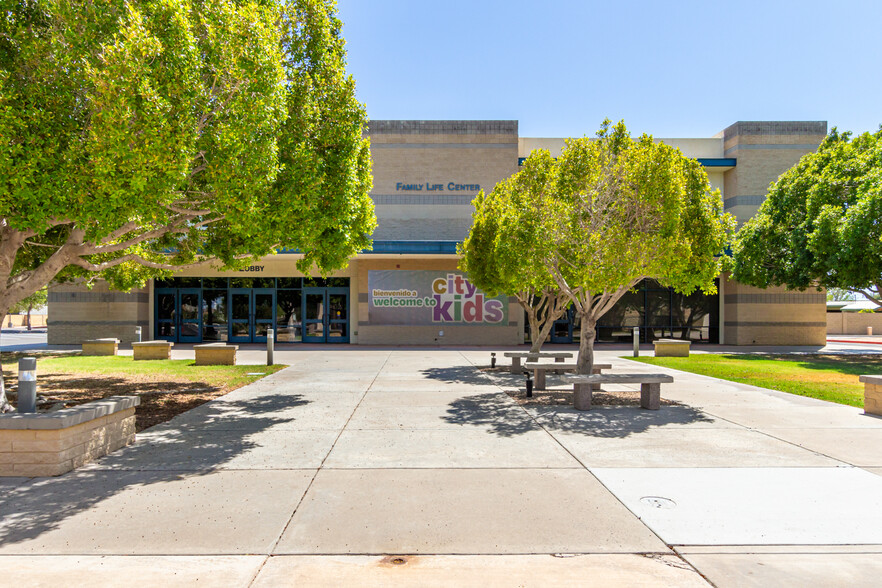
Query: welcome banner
[[401, 297]]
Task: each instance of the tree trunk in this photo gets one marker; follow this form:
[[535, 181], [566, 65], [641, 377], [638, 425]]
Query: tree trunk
[[4, 403], [546, 329], [535, 341], [586, 344], [30, 308]]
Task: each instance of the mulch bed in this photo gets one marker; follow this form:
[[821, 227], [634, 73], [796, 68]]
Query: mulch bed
[[160, 400]]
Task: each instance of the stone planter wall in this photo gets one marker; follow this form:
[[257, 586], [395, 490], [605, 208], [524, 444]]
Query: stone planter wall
[[50, 444]]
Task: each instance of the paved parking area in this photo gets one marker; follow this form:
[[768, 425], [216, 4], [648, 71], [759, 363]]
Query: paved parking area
[[411, 466]]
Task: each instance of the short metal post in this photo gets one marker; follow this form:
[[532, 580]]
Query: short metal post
[[492, 360], [529, 384], [27, 384], [636, 341], [270, 336], [138, 333]]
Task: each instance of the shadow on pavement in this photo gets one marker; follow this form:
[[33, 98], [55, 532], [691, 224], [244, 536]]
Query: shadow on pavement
[[500, 416], [616, 421], [41, 505], [495, 412], [458, 375]]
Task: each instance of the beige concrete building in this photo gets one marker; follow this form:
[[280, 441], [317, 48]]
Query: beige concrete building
[[407, 290]]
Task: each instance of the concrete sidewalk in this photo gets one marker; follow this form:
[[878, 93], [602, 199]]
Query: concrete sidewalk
[[410, 466]]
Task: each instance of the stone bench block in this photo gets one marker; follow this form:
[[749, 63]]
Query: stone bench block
[[215, 354], [50, 444], [672, 348], [152, 350], [108, 346], [872, 394], [650, 387]]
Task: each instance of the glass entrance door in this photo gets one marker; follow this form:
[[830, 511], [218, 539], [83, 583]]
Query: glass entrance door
[[338, 315], [315, 304], [562, 331], [326, 315], [251, 314], [263, 306], [240, 315], [190, 307]]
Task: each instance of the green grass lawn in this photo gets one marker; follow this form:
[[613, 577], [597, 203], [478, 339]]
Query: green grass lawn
[[166, 387], [230, 376], [827, 377]]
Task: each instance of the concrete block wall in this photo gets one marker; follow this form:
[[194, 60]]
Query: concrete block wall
[[772, 316], [764, 150], [776, 316], [77, 313], [434, 154], [853, 323]]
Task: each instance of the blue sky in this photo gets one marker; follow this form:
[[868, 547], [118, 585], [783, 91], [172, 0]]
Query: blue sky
[[674, 68]]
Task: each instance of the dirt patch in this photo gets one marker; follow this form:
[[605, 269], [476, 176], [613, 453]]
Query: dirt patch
[[565, 398], [161, 400]]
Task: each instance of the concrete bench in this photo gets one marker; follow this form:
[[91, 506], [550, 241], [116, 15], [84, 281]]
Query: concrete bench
[[215, 354], [872, 394], [101, 346], [152, 350], [650, 387], [516, 357], [672, 347], [539, 370]]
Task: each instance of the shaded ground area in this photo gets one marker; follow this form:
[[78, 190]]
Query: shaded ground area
[[166, 388], [561, 396], [565, 398], [831, 377]]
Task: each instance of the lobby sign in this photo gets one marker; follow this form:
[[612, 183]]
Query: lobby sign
[[402, 297]]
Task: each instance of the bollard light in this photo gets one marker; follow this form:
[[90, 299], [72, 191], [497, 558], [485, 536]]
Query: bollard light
[[492, 360], [529, 377], [636, 341], [27, 384], [138, 333], [270, 335]]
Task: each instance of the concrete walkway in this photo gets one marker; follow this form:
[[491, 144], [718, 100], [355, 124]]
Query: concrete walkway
[[371, 467]]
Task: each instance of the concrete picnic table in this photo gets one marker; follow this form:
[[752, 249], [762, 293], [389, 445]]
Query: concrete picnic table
[[517, 355], [539, 370]]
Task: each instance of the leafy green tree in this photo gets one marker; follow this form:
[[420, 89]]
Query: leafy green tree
[[819, 225], [142, 136], [840, 295], [36, 300], [623, 210], [498, 253]]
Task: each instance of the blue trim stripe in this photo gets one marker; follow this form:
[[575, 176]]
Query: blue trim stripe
[[411, 247], [705, 161], [717, 161], [414, 247]]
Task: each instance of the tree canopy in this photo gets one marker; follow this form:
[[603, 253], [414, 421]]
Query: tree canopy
[[820, 223], [623, 210], [499, 253], [140, 136]]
